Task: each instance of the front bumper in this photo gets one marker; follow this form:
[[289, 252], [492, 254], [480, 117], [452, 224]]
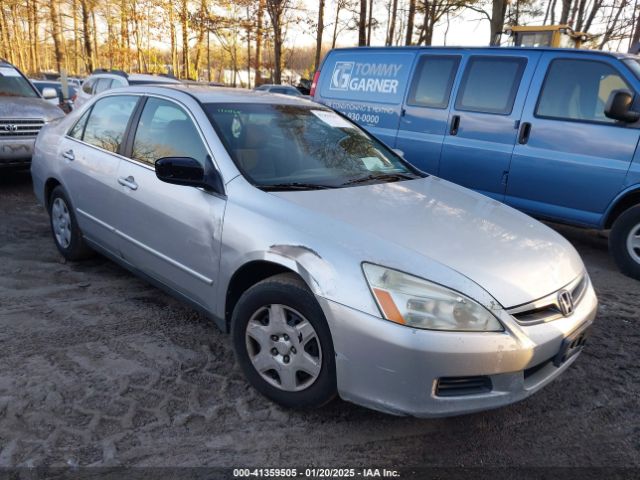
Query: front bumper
[[396, 369], [16, 151]]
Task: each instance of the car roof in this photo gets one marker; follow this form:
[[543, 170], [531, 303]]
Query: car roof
[[210, 94], [496, 49], [151, 78]]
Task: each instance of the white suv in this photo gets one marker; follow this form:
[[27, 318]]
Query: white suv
[[101, 80]]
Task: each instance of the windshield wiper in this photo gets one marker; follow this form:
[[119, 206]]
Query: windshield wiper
[[392, 177], [295, 186]]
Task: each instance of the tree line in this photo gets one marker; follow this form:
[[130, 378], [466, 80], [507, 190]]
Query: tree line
[[200, 39]]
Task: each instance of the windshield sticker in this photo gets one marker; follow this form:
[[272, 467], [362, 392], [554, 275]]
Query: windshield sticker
[[9, 72], [332, 119], [373, 164]]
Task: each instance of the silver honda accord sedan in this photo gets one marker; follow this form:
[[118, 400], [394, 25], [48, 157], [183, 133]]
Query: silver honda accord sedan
[[337, 267]]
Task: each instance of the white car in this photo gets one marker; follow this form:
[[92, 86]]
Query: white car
[[101, 80]]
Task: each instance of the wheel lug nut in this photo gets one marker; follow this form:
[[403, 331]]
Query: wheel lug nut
[[293, 350], [286, 337], [286, 359], [274, 351], [274, 338]]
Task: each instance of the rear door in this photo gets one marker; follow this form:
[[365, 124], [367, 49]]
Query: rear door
[[426, 111], [574, 160], [484, 120], [170, 232], [368, 86], [91, 155]]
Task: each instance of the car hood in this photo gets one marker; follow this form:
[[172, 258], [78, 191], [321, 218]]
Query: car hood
[[512, 256], [26, 107]]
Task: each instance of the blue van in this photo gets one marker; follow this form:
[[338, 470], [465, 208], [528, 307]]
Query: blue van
[[552, 132]]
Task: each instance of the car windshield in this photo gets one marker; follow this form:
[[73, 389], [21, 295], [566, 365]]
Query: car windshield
[[12, 84], [287, 147]]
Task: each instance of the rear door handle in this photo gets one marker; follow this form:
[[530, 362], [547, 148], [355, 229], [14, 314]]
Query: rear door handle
[[455, 124], [525, 132], [128, 182], [69, 155]]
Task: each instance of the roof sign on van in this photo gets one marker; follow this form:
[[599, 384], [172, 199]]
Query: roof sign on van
[[367, 76]]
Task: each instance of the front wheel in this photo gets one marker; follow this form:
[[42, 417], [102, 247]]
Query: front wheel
[[624, 242], [283, 344]]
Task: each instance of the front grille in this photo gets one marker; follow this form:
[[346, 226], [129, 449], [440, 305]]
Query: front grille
[[548, 308], [460, 386], [20, 128]]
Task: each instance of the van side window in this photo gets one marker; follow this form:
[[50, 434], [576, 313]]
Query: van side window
[[108, 121], [490, 84], [578, 90], [433, 80], [165, 130]]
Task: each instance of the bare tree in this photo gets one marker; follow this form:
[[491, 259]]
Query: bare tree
[[411, 14], [276, 10], [362, 24]]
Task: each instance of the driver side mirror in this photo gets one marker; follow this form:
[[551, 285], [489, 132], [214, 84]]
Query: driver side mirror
[[49, 93], [619, 107], [188, 172]]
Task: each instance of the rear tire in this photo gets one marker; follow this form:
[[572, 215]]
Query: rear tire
[[283, 344], [64, 227], [624, 242]]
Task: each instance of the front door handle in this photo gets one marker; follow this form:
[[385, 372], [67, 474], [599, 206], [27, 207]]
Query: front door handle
[[525, 132], [128, 182], [455, 124], [69, 155]]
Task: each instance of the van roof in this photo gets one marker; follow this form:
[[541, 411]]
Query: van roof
[[514, 49]]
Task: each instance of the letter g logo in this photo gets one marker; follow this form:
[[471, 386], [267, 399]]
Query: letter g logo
[[341, 76]]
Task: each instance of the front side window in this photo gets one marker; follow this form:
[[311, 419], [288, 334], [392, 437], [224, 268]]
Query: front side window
[[108, 121], [102, 85], [87, 86], [302, 147], [13, 84], [490, 84], [578, 90], [433, 80], [165, 130]]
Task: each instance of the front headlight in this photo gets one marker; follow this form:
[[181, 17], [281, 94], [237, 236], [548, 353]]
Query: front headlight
[[417, 303]]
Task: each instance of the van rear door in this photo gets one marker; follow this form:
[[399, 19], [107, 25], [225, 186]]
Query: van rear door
[[485, 117], [368, 86], [426, 111]]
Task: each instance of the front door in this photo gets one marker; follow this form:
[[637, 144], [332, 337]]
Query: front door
[[484, 120], [170, 232], [574, 159]]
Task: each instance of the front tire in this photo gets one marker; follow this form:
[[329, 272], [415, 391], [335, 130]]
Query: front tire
[[64, 227], [624, 242], [283, 344]]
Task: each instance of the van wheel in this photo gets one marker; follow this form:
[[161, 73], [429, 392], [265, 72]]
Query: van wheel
[[282, 343], [624, 242], [64, 227]]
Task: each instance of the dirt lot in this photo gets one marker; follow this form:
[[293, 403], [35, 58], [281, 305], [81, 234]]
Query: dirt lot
[[99, 368]]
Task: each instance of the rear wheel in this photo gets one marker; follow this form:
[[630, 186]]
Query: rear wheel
[[283, 344], [64, 227], [624, 242]]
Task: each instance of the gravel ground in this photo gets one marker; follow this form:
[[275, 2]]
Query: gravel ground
[[99, 368]]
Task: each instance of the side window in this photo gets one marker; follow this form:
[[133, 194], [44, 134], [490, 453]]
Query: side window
[[87, 86], [165, 130], [102, 85], [490, 84], [118, 82], [78, 129], [433, 80], [578, 90], [108, 121]]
